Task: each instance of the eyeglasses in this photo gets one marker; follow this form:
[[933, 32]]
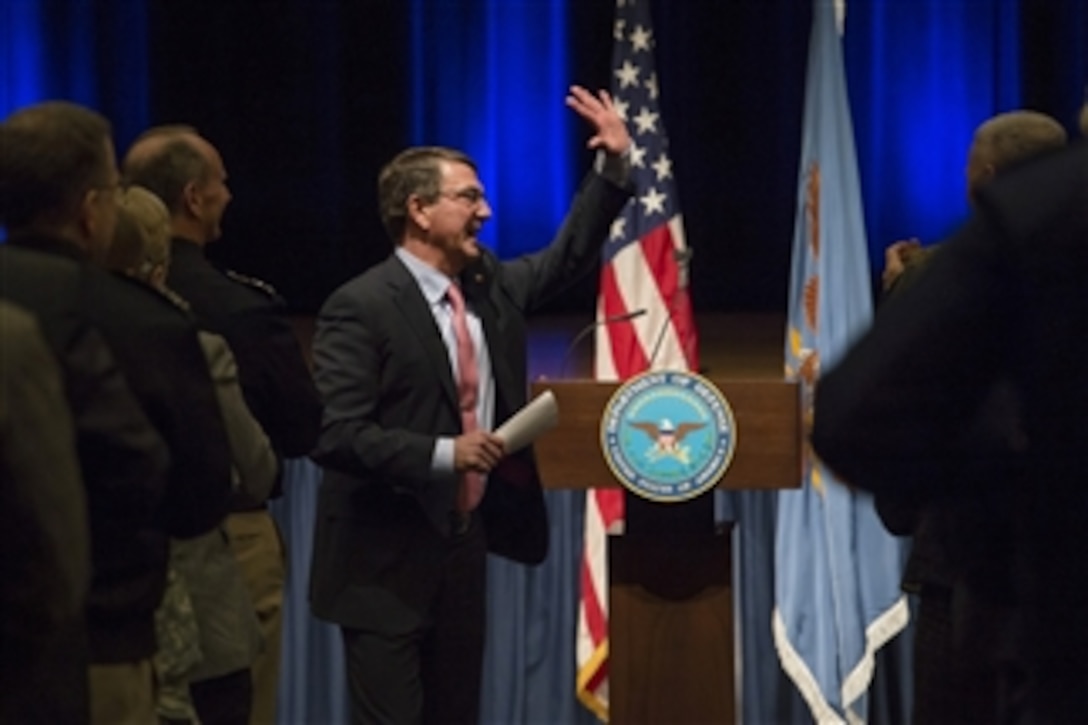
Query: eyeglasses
[[471, 194]]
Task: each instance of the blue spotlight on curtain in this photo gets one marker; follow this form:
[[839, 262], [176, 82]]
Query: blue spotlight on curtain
[[22, 53], [489, 78], [77, 51], [922, 76]]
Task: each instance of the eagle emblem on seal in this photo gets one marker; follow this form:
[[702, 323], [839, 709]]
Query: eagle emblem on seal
[[666, 438]]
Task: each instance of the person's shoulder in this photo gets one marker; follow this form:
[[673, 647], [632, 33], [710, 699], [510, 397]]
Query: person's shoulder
[[27, 263], [232, 293], [1030, 198], [17, 323], [16, 253], [254, 285], [137, 300], [213, 290], [377, 281]]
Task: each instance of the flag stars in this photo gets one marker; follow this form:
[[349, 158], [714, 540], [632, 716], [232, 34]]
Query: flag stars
[[651, 86], [621, 107], [662, 167], [637, 155], [619, 228], [628, 74], [646, 121], [652, 201], [618, 28], [641, 38]]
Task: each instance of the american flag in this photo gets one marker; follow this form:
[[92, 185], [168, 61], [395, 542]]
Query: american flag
[[645, 268]]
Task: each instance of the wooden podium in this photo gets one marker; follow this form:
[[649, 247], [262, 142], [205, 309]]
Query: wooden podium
[[671, 641]]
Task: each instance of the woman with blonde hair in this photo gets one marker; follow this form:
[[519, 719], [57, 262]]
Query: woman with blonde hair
[[207, 626]]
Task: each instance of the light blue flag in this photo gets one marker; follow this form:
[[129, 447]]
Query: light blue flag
[[837, 570]]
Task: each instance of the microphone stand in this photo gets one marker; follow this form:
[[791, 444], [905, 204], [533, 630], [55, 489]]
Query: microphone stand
[[590, 328]]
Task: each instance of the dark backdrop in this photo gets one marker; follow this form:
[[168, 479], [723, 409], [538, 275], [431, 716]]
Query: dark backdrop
[[307, 98]]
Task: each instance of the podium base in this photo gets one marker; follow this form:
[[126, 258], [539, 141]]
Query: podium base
[[671, 639]]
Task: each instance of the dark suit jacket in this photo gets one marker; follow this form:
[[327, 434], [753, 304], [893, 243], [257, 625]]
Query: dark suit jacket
[[273, 373], [384, 374], [155, 346], [45, 567], [1002, 304], [122, 458]]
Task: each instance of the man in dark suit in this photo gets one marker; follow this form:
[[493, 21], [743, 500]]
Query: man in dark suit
[[58, 183], [412, 385], [123, 463], [949, 687], [1001, 307]]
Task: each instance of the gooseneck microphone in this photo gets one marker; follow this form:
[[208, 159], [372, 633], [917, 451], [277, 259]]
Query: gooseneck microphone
[[590, 328]]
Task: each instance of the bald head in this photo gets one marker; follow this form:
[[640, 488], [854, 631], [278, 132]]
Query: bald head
[[1009, 139], [184, 170], [163, 160]]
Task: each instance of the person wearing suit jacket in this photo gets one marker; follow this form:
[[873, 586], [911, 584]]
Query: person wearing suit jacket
[[45, 569], [1002, 305], [949, 687], [399, 545], [58, 187]]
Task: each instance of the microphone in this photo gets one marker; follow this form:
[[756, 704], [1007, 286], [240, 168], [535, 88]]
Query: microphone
[[590, 328]]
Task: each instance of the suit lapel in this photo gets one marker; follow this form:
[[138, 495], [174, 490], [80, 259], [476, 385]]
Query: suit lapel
[[419, 319]]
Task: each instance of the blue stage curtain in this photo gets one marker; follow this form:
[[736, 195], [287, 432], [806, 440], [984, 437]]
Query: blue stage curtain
[[77, 51], [81, 51], [489, 77], [313, 683], [922, 76]]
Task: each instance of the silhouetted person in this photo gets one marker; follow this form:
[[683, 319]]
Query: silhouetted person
[[59, 184], [955, 678], [910, 413], [45, 567]]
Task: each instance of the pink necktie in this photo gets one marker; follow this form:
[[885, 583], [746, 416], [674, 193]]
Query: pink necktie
[[468, 382]]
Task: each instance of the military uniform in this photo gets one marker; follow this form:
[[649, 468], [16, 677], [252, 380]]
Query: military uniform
[[279, 391]]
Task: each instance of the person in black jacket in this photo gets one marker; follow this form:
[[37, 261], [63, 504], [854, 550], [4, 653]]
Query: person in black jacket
[[947, 686], [187, 173], [904, 414], [45, 567], [58, 184]]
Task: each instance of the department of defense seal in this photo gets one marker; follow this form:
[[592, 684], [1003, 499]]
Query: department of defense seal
[[668, 436]]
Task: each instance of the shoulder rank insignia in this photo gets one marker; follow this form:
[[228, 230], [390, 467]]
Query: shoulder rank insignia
[[175, 298], [257, 284]]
